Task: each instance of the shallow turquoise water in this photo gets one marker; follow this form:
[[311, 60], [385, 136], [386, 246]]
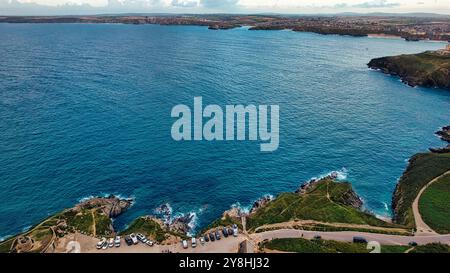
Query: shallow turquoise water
[[85, 110]]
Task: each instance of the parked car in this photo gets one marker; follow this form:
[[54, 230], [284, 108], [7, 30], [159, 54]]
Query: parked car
[[230, 231], [202, 240], [206, 238], [149, 243], [317, 237], [117, 241], [105, 245], [185, 244], [225, 232], [134, 238], [358, 239], [128, 240], [100, 243], [111, 242], [235, 230], [141, 238], [193, 242], [412, 243], [212, 237], [217, 235]]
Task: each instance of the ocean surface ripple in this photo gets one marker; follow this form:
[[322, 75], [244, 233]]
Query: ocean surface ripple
[[85, 110]]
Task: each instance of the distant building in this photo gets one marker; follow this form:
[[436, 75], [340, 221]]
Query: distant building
[[447, 47]]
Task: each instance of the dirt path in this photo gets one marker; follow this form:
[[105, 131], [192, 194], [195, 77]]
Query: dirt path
[[421, 226], [94, 230]]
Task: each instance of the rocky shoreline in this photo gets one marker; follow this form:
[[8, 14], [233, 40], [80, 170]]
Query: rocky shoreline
[[427, 69]]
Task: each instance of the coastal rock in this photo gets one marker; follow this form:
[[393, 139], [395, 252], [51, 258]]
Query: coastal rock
[[182, 224], [261, 202], [111, 206], [444, 133], [428, 69]]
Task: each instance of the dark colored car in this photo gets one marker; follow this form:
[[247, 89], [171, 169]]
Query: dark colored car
[[211, 236], [206, 238], [412, 243], [217, 235], [230, 231], [128, 240], [225, 232], [317, 237], [360, 240]]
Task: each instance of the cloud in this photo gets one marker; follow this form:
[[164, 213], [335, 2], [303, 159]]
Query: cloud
[[184, 3], [376, 4], [219, 3]]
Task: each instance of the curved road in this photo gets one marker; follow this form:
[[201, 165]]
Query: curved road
[[421, 226], [347, 236]]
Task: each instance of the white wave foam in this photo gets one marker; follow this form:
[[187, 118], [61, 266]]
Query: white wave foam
[[105, 195], [340, 175]]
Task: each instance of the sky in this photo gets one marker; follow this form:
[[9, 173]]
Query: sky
[[76, 7]]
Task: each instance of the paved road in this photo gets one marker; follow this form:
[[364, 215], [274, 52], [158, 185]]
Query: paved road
[[347, 236]]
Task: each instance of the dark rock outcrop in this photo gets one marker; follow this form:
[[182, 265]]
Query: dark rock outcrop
[[261, 202], [111, 205]]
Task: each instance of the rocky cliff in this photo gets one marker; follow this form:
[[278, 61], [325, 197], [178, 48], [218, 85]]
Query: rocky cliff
[[428, 69]]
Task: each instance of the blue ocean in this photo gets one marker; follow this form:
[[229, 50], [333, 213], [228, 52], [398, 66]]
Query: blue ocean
[[85, 111]]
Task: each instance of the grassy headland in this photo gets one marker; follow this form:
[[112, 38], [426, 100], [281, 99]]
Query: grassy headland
[[325, 201], [428, 69]]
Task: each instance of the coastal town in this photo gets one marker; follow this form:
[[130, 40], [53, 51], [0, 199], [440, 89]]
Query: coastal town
[[410, 28]]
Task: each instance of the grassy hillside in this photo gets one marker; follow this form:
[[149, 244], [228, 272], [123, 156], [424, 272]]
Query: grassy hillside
[[434, 205], [431, 248], [325, 201], [427, 69], [422, 169], [300, 245]]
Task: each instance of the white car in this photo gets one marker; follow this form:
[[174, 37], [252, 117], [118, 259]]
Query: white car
[[202, 240], [134, 238], [185, 244], [193, 242], [100, 243], [141, 238], [149, 243], [117, 241], [235, 230], [111, 242], [105, 245]]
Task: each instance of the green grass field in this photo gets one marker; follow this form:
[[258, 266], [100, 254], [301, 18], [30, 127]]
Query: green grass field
[[434, 205], [422, 169], [314, 205], [431, 248], [300, 245]]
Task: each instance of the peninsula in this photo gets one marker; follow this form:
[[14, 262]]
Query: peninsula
[[427, 69]]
